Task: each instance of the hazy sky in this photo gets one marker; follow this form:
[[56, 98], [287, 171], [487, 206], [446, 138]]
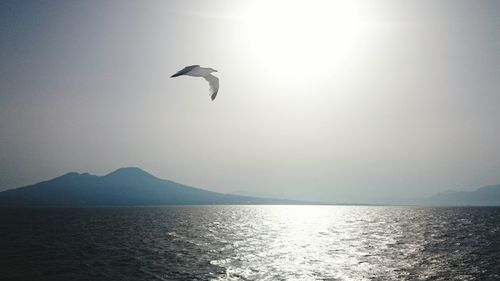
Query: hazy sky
[[337, 101]]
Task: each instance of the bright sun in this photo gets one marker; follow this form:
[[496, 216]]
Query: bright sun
[[305, 39]]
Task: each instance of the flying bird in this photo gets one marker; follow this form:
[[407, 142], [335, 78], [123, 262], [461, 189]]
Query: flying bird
[[197, 71]]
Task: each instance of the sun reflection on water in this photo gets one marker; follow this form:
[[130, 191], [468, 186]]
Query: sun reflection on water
[[252, 243], [317, 243]]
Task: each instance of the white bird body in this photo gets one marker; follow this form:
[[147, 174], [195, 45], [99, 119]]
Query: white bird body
[[205, 72], [200, 71]]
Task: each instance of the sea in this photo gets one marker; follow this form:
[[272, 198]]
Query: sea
[[266, 242]]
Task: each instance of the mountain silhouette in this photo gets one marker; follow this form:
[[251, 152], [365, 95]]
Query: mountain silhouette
[[484, 196], [124, 187]]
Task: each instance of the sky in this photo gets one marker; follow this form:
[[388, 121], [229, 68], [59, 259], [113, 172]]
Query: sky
[[340, 101]]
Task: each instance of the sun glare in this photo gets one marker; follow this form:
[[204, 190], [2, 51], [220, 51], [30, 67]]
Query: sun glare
[[303, 39]]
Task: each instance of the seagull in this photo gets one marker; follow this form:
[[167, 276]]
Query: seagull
[[197, 71]]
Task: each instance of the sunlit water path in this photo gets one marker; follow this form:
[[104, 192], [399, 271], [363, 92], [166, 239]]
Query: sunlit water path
[[251, 243]]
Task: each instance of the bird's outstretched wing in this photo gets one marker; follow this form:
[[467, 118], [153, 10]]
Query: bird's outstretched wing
[[214, 85], [184, 70]]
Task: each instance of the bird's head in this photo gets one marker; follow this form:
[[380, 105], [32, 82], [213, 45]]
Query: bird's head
[[212, 70]]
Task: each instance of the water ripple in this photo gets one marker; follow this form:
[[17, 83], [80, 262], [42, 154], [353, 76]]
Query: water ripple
[[251, 243]]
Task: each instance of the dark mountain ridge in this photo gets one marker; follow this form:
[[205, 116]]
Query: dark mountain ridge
[[135, 187], [124, 187]]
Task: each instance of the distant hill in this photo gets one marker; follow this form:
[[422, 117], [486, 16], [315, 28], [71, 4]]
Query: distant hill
[[484, 196], [123, 187], [135, 187]]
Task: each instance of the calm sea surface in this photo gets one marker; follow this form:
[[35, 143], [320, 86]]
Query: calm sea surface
[[250, 243]]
